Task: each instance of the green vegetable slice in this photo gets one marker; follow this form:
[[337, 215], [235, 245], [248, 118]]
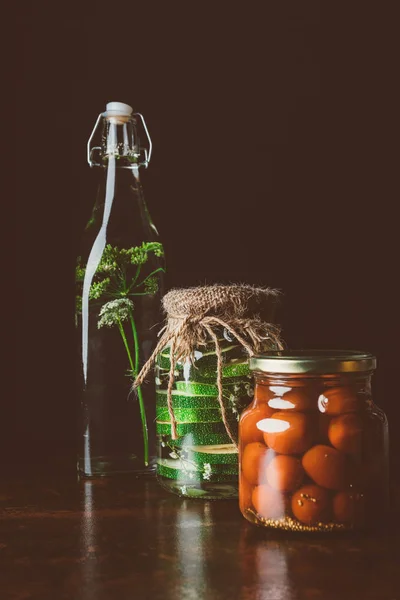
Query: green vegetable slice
[[164, 428], [189, 415], [192, 439], [198, 389], [185, 400], [236, 368], [203, 360], [218, 454]]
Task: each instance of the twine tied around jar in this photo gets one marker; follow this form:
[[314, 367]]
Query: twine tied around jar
[[193, 314]]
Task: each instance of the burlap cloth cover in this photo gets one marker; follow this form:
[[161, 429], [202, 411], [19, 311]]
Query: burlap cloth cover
[[193, 315]]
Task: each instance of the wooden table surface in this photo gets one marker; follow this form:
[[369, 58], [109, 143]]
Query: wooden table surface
[[127, 538]]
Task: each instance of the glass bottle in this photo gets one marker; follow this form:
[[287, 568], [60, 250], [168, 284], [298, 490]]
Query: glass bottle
[[119, 279], [313, 446]]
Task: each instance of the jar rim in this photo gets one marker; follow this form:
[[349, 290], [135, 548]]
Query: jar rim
[[313, 361]]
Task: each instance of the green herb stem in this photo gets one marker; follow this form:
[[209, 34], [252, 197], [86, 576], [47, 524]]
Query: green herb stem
[[134, 368], [139, 392], [122, 332], [144, 426], [135, 278], [135, 341], [148, 276]]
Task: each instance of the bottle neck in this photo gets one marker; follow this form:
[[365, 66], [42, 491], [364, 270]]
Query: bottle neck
[[119, 164], [120, 206], [120, 186], [120, 142]]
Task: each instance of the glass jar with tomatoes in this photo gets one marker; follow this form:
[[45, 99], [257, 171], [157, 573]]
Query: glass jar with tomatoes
[[313, 446]]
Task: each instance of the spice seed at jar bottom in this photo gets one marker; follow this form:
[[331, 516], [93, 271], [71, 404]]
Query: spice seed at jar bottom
[[311, 504], [248, 431], [339, 400], [288, 432], [345, 433], [255, 459], [285, 473], [348, 508], [269, 503], [326, 466]]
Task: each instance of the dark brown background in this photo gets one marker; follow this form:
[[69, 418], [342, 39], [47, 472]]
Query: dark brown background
[[275, 143]]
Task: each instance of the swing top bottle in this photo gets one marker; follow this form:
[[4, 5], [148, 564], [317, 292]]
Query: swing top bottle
[[119, 279]]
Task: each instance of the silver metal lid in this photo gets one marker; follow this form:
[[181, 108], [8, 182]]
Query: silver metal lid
[[313, 361]]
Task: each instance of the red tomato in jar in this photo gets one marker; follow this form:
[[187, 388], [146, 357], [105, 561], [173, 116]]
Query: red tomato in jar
[[311, 504], [289, 432], [269, 503], [254, 462], [285, 473], [339, 400], [248, 431]]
